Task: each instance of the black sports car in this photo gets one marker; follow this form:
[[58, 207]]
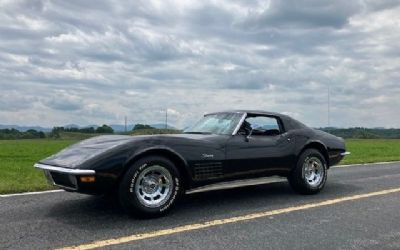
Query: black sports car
[[149, 173]]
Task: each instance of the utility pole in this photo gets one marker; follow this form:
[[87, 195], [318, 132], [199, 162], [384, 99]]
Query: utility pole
[[126, 130], [166, 118], [329, 105]]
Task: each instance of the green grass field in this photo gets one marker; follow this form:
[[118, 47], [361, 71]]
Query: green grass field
[[18, 156], [16, 163], [372, 150]]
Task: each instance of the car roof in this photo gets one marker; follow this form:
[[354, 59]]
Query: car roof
[[288, 122], [248, 111]]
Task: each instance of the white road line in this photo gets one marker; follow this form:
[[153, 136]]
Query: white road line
[[30, 193], [364, 164]]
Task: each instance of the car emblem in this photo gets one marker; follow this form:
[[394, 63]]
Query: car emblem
[[207, 156]]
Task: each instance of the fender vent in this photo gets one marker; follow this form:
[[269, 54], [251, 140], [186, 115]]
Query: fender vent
[[209, 170]]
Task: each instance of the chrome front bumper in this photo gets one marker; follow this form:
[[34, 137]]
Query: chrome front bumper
[[65, 178], [65, 170]]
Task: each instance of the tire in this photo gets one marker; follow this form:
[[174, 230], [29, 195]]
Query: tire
[[310, 173], [150, 187]]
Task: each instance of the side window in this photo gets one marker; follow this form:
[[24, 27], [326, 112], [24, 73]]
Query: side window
[[264, 125]]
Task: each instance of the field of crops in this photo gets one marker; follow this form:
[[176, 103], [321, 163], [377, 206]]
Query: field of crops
[[18, 156]]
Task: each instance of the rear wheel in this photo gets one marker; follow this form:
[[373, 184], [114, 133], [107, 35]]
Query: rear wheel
[[150, 187], [310, 173]]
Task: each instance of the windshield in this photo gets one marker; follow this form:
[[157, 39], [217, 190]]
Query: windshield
[[221, 123]]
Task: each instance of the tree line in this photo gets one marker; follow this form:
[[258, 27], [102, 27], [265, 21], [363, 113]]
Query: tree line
[[11, 134], [104, 129], [364, 133]]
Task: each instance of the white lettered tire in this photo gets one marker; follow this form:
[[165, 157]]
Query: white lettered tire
[[310, 173], [150, 187]]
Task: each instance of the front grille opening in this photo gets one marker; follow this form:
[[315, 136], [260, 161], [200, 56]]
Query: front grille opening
[[64, 180]]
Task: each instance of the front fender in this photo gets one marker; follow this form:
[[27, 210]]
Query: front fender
[[150, 150], [179, 161]]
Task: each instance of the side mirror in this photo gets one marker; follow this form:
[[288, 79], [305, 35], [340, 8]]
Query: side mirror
[[247, 138]]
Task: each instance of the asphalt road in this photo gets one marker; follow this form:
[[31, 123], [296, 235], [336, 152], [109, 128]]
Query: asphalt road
[[372, 221]]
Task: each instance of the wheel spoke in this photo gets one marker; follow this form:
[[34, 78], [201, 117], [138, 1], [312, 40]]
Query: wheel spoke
[[314, 171], [154, 186]]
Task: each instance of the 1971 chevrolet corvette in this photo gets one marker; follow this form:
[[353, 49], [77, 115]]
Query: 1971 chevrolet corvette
[[150, 173]]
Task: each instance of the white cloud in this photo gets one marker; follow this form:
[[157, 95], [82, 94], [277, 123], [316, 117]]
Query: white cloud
[[91, 62]]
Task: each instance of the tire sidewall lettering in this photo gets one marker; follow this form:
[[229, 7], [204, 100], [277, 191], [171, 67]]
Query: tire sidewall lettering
[[175, 191], [173, 197], [135, 175]]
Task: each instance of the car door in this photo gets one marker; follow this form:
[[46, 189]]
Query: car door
[[268, 148]]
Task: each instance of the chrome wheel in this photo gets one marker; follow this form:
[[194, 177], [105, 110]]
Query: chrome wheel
[[154, 186], [313, 171]]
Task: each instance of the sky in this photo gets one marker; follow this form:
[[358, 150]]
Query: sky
[[95, 62]]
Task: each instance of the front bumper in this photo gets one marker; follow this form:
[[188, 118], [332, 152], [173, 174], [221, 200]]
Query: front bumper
[[65, 178], [336, 156]]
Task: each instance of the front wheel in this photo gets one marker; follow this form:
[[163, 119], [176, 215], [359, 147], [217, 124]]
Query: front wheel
[[150, 187], [310, 174]]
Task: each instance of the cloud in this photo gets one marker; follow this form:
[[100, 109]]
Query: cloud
[[61, 100], [14, 101], [89, 62], [305, 14]]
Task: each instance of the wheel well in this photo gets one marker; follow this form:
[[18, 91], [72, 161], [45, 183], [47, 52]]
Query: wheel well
[[320, 147], [178, 162]]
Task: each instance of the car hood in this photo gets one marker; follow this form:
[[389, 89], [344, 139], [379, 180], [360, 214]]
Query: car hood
[[75, 155]]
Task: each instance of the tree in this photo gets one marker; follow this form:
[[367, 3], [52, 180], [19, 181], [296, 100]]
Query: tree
[[104, 130], [16, 134], [89, 130], [142, 126]]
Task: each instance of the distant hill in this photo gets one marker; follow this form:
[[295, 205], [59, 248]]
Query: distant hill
[[73, 126], [129, 127], [121, 128], [161, 126]]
